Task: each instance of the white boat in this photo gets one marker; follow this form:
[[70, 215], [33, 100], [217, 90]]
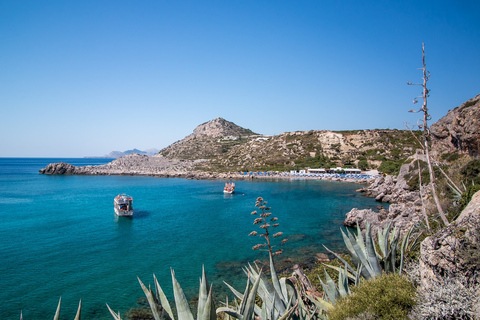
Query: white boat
[[123, 205], [229, 188]]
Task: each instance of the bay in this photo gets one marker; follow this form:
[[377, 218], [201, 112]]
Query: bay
[[61, 238]]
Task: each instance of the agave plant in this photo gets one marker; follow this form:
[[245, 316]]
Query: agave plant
[[364, 252], [159, 303], [280, 299]]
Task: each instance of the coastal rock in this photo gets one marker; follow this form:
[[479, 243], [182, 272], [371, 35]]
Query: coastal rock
[[361, 217], [58, 168], [136, 164], [455, 249], [405, 205]]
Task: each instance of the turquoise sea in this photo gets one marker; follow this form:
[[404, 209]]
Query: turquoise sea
[[60, 237]]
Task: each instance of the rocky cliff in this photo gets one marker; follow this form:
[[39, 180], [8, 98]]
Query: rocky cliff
[[459, 130]]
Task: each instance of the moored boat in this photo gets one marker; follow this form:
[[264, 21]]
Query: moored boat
[[229, 187], [123, 205]]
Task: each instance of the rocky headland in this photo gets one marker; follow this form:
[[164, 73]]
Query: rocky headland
[[136, 164], [455, 134]]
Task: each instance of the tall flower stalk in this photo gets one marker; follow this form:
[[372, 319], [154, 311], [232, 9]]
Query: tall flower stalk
[[267, 223]]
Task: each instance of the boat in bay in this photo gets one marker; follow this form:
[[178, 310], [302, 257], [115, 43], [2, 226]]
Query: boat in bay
[[229, 188], [123, 205]]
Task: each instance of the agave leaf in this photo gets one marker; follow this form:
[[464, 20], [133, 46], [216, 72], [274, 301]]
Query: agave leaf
[[359, 271], [349, 274], [274, 277], [249, 308], [341, 259], [115, 315], [343, 289], [288, 313], [181, 302], [330, 288], [202, 294], [235, 292], [357, 246], [403, 248], [321, 304], [267, 290], [372, 256], [347, 241], [243, 303], [383, 239], [230, 312], [57, 313], [359, 238], [163, 298], [151, 300], [208, 312], [79, 311]]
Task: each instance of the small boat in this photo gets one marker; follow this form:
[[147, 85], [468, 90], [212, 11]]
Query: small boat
[[229, 188], [123, 205]]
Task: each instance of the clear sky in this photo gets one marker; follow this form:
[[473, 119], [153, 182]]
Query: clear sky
[[83, 78]]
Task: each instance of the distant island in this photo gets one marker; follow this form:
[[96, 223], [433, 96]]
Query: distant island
[[118, 154]]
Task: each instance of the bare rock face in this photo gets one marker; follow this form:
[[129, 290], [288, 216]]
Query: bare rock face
[[456, 249], [459, 130], [58, 168]]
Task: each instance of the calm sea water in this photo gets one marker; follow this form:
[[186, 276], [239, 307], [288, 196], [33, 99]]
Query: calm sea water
[[60, 237]]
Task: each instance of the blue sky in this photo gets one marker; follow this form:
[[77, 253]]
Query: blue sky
[[81, 78]]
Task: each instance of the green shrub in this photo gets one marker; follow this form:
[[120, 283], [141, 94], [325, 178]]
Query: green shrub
[[363, 164], [390, 296], [391, 166], [467, 196], [471, 171]]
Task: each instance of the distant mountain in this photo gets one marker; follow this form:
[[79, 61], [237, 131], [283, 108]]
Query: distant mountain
[[118, 154], [209, 140]]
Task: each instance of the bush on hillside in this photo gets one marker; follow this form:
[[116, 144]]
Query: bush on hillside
[[391, 166], [471, 171], [390, 296]]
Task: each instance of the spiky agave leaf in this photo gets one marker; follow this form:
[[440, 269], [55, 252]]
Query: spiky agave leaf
[[371, 252], [246, 309], [57, 313], [403, 248], [202, 294], [115, 315], [266, 289], [181, 302], [152, 301], [79, 311], [163, 298], [330, 288], [208, 309]]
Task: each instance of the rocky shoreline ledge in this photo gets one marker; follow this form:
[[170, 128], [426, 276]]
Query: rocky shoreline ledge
[[405, 208], [159, 166], [136, 164]]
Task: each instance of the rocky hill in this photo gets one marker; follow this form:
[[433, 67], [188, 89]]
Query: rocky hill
[[208, 140], [459, 130], [229, 147]]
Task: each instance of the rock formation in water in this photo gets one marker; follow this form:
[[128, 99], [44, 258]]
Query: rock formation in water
[[135, 164]]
